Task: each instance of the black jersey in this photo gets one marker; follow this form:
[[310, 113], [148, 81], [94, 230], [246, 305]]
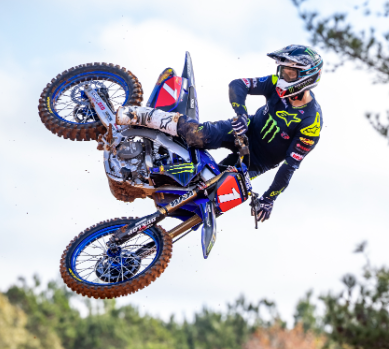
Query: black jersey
[[278, 131]]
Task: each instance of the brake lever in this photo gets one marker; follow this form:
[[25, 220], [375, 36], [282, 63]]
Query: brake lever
[[253, 205]]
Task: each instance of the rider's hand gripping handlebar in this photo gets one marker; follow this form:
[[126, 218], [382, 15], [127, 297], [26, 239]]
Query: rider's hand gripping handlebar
[[241, 142]]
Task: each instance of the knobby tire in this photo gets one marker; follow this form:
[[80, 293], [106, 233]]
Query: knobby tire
[[122, 289]]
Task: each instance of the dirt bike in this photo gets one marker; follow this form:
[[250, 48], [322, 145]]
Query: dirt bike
[[123, 255]]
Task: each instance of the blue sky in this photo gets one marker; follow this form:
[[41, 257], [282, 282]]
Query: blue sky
[[54, 188]]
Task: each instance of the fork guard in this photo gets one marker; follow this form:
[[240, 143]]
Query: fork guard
[[208, 232]]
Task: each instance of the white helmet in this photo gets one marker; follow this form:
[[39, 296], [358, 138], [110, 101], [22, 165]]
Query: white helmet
[[307, 64]]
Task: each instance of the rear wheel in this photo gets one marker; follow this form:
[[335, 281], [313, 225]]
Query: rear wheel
[[89, 268], [65, 109]]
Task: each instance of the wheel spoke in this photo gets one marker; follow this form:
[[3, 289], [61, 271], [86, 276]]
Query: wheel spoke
[[115, 92], [122, 95], [92, 255], [103, 246], [86, 277], [87, 260], [83, 269], [112, 83]]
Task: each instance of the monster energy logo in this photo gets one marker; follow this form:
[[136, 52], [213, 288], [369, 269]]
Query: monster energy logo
[[272, 128], [291, 89], [188, 167], [310, 52]]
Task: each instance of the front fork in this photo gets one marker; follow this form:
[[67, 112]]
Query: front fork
[[104, 113]]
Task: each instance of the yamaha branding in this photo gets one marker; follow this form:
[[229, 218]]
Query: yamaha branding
[[182, 198]]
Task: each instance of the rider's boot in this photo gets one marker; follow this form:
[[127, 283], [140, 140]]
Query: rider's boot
[[149, 117]]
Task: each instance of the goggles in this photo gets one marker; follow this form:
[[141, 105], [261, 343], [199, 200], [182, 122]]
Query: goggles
[[288, 74]]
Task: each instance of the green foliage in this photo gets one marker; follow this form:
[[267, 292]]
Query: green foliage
[[359, 316], [48, 311], [13, 333], [356, 318], [50, 318], [214, 330], [306, 315], [366, 47]]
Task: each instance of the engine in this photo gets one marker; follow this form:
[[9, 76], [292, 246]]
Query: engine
[[127, 162], [128, 167]]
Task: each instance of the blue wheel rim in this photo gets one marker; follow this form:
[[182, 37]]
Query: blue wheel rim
[[92, 238], [98, 75]]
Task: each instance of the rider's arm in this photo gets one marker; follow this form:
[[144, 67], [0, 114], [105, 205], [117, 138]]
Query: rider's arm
[[240, 88], [302, 144], [281, 180]]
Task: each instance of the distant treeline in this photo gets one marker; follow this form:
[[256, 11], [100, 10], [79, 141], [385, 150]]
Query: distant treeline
[[36, 317]]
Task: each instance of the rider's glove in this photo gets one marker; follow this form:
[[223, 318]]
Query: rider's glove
[[239, 124], [263, 208]]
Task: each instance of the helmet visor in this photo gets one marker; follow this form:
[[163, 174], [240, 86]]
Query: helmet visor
[[288, 74]]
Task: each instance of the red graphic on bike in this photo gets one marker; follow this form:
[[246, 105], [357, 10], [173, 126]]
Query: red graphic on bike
[[169, 92], [228, 194]]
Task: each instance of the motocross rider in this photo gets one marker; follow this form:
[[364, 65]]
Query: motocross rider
[[286, 129]]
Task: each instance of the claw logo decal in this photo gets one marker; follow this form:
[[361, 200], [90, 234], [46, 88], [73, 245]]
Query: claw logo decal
[[314, 129], [273, 129], [186, 167], [288, 118]]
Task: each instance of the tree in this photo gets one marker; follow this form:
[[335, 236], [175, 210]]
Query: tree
[[359, 316], [369, 49], [306, 315], [215, 330], [13, 332]]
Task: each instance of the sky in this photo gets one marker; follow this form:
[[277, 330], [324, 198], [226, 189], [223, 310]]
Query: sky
[[51, 188]]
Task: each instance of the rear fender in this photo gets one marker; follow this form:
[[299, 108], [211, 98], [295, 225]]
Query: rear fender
[[192, 108]]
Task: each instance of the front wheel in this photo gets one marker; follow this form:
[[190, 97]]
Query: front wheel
[[65, 109], [90, 269]]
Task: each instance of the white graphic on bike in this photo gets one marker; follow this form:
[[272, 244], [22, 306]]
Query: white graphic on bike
[[229, 197]]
